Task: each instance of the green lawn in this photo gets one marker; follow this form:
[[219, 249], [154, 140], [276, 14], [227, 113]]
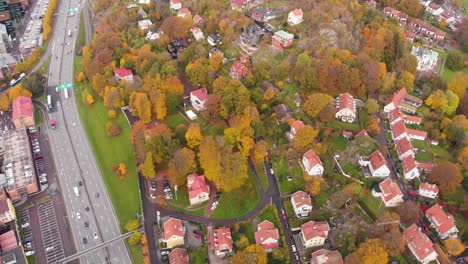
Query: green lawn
[[108, 151], [343, 125], [445, 72], [182, 196], [31, 260], [44, 69], [137, 253], [174, 120], [339, 143], [270, 214], [81, 37], [371, 204], [238, 202], [438, 152], [282, 171], [198, 255], [38, 116], [259, 168]]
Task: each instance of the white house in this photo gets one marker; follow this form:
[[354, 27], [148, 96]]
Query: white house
[[419, 244], [410, 168], [267, 236], [404, 148], [324, 256], [295, 126], [346, 108], [302, 204], [434, 9], [295, 17], [198, 99], [197, 33], [312, 164], [223, 243], [198, 189], [398, 130], [377, 164], [416, 134], [314, 233], [442, 222], [428, 190], [175, 4], [144, 24], [390, 193]]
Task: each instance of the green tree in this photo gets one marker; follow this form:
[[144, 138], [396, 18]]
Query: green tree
[[134, 239], [372, 106], [147, 167], [455, 60], [35, 83], [181, 164]]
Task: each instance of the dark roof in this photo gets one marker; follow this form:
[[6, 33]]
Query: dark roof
[[4, 16], [266, 84], [282, 111]]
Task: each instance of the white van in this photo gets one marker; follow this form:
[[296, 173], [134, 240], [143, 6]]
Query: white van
[[77, 192]]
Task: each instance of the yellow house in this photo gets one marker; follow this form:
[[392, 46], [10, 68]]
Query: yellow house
[[173, 232], [313, 233]]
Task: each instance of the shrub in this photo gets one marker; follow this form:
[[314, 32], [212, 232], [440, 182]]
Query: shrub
[[112, 129], [112, 114]]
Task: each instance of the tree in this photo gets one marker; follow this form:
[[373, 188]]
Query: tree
[[269, 94], [458, 84], [245, 144], [80, 76], [122, 169], [409, 212], [193, 135], [373, 126], [112, 129], [372, 106], [181, 164], [327, 113], [147, 167], [371, 251], [35, 83], [406, 80], [132, 225], [454, 246], [314, 184], [252, 254], [455, 60], [242, 243], [176, 27], [260, 151], [304, 138], [411, 7], [134, 239], [394, 242], [315, 103], [463, 158], [89, 99], [112, 114], [141, 106], [197, 72], [447, 176]]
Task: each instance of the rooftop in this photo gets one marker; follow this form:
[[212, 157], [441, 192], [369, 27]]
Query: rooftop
[[390, 189]]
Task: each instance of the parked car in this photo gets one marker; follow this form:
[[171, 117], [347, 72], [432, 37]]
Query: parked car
[[294, 248], [84, 240], [153, 185], [95, 235]]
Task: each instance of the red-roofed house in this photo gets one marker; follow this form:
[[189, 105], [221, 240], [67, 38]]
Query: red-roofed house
[[416, 134], [434, 9], [184, 12], [314, 233], [425, 166], [390, 193], [295, 17], [22, 112], [394, 116], [198, 99], [398, 131], [301, 203], [426, 30], [419, 244], [295, 126], [346, 108], [428, 190], [410, 169], [361, 133], [377, 164], [198, 189], [402, 18], [238, 70], [222, 241], [394, 100], [312, 164], [179, 256], [173, 232], [410, 36], [123, 74], [175, 4], [324, 256], [409, 119], [238, 4], [198, 20], [197, 33], [404, 148], [8, 241], [442, 222], [267, 235], [282, 40]]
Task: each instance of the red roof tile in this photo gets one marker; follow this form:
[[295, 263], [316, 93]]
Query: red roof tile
[[377, 160], [313, 229], [429, 187], [267, 235], [197, 185], [323, 256], [173, 227], [417, 133], [413, 119], [418, 241], [441, 220], [8, 241], [397, 97], [22, 107], [347, 102], [408, 164], [297, 12], [298, 124], [403, 145], [313, 158], [395, 115], [301, 198], [201, 94], [179, 256], [223, 238], [425, 165], [362, 133], [398, 129], [390, 189], [122, 72]]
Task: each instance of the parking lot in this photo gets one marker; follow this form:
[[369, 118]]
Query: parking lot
[[50, 232], [27, 233], [5, 122], [32, 34], [38, 159]]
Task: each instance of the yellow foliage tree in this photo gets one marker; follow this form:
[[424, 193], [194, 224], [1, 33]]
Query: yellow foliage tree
[[454, 246], [458, 84], [194, 136], [269, 94], [112, 114], [123, 169], [80, 76], [260, 151], [251, 254], [371, 251], [89, 99], [304, 138], [245, 144], [147, 167], [313, 184]]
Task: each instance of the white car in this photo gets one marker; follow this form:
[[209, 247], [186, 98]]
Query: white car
[[78, 216], [29, 253], [294, 248], [95, 235]]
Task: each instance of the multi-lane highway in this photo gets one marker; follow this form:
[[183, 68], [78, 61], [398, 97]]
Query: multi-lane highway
[[90, 212]]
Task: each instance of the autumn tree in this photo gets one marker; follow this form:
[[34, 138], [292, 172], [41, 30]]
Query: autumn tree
[[176, 27], [314, 184], [112, 114], [181, 164], [447, 176], [35, 83], [141, 106], [112, 129], [147, 167], [455, 60], [132, 225], [454, 246], [463, 158], [373, 126], [122, 169], [327, 113], [197, 72], [251, 254], [372, 106], [409, 212], [394, 242], [260, 151], [406, 79], [304, 138], [213, 106], [458, 84], [242, 242], [443, 102], [158, 102], [371, 251], [80, 77], [193, 135], [134, 239], [315, 103]]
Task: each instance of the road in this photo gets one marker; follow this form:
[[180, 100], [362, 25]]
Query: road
[[73, 155]]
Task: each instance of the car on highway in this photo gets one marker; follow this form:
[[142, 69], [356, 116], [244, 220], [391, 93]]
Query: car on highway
[[84, 240], [86, 224], [78, 216], [95, 235]]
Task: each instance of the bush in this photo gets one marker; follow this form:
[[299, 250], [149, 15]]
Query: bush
[[112, 114], [134, 238], [455, 60], [112, 129]]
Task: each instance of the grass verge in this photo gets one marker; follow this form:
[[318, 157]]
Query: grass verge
[[38, 116], [109, 151], [81, 37]]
